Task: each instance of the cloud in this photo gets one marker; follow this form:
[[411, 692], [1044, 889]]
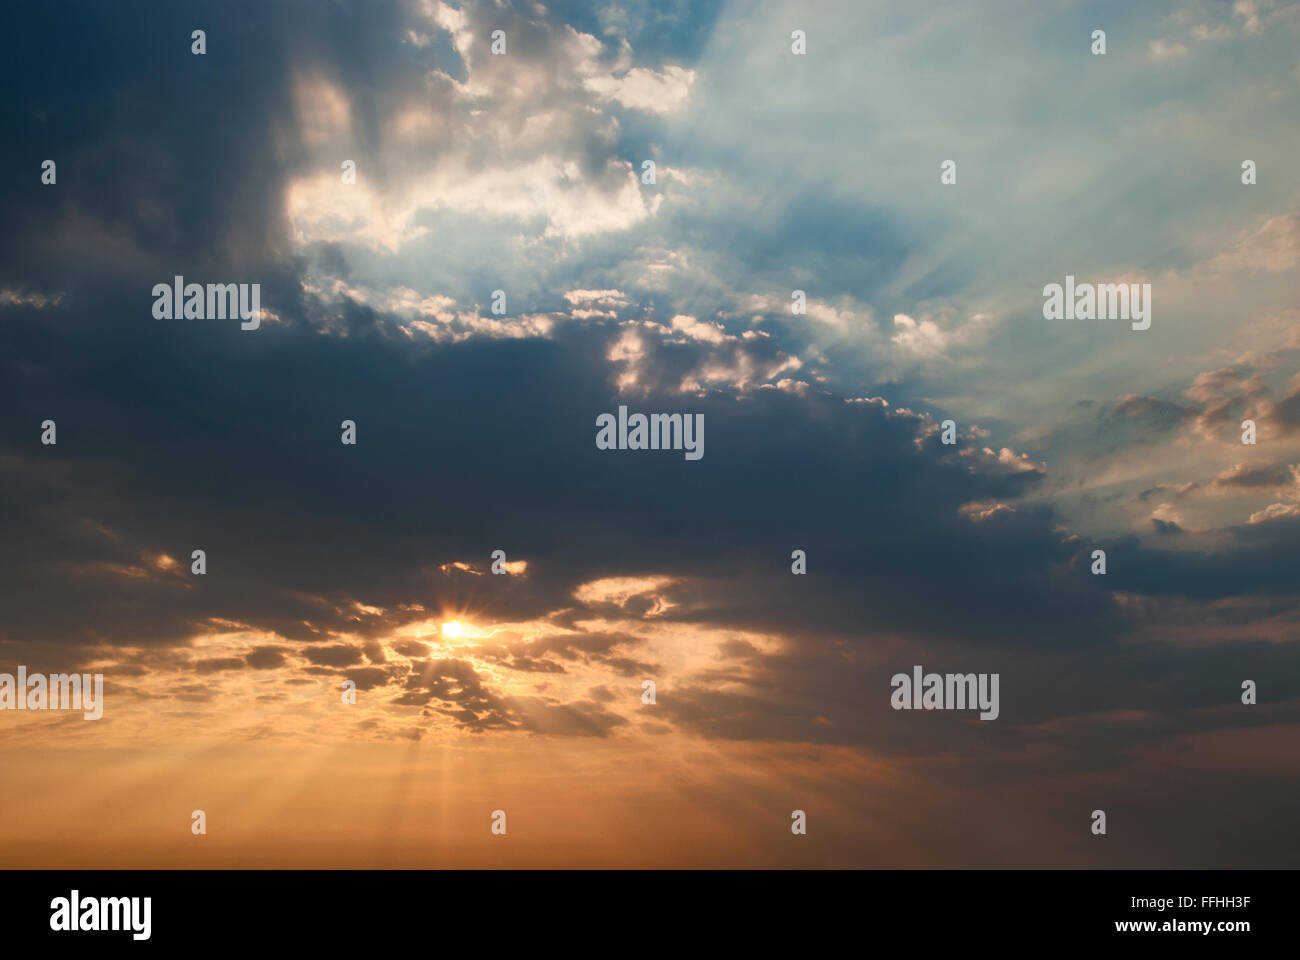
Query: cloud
[[1161, 49], [38, 301], [267, 657], [1272, 246], [653, 91], [695, 330], [1244, 475], [337, 655]]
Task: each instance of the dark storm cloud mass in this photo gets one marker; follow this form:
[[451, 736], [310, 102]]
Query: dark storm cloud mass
[[177, 435], [185, 168], [242, 459]]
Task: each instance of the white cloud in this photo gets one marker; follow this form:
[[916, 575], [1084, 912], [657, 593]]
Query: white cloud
[[699, 330], [547, 190], [928, 338], [924, 338], [642, 89]]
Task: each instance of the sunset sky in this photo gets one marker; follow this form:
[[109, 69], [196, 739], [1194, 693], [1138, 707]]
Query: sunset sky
[[775, 172]]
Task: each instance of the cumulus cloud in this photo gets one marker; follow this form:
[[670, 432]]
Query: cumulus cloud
[[641, 89]]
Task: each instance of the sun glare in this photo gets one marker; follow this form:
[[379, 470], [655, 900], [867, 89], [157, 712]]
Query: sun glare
[[453, 629]]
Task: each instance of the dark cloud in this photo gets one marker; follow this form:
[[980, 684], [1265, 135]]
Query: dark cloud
[[1245, 476], [412, 648], [454, 689], [368, 678], [1165, 489], [1159, 414], [338, 655], [1286, 414], [266, 657], [216, 664]]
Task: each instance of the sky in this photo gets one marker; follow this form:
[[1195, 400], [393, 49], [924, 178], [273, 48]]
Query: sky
[[524, 172]]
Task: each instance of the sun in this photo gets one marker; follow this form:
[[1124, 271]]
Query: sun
[[453, 629]]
